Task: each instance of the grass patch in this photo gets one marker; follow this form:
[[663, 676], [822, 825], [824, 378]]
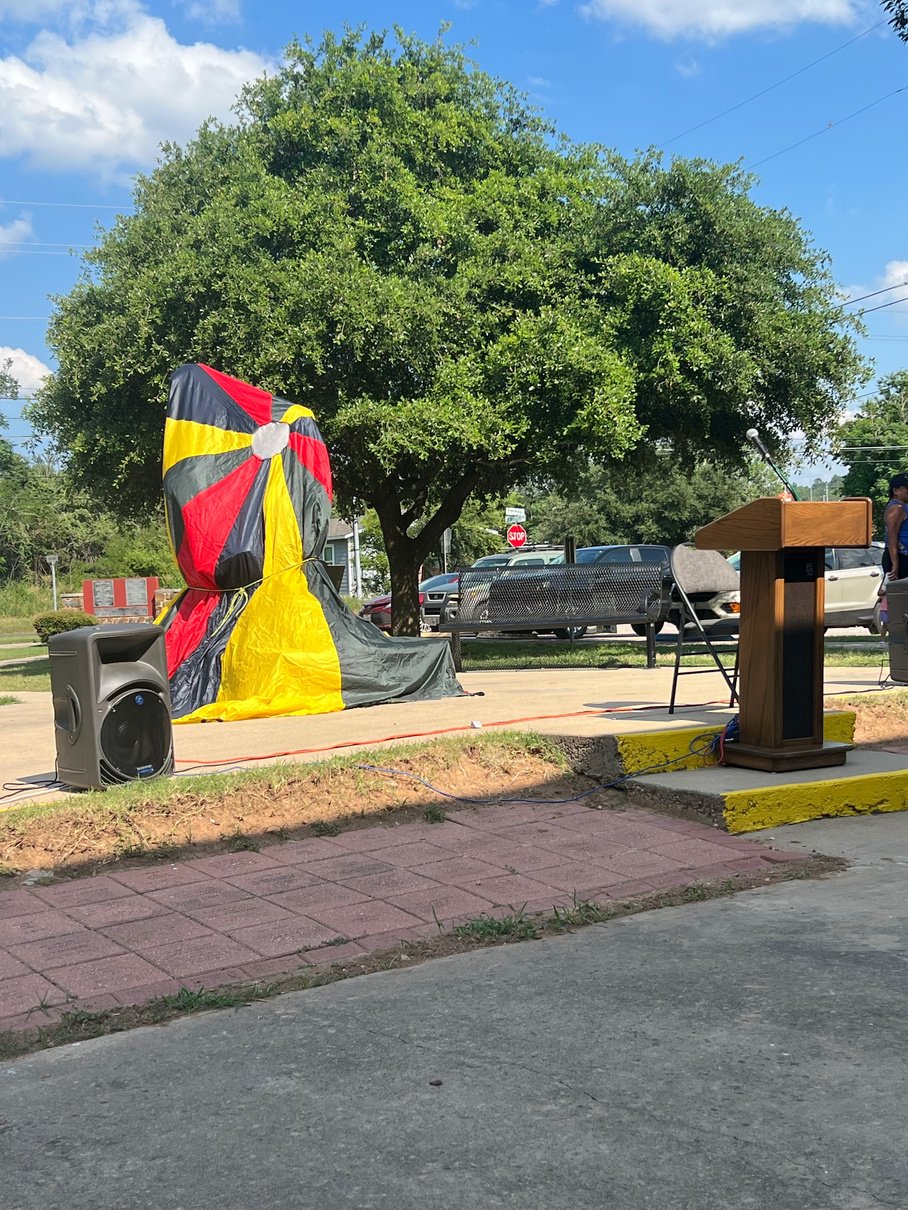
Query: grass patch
[[22, 653], [77, 1025], [506, 654], [485, 655], [7, 699], [29, 676], [518, 927], [170, 817]]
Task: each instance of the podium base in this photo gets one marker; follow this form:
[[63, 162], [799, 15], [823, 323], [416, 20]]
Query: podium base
[[786, 760]]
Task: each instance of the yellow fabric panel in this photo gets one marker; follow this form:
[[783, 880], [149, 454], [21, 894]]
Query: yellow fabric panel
[[281, 658], [296, 412], [188, 438]]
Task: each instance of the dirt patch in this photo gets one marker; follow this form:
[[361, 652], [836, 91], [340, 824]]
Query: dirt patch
[[880, 718], [197, 816], [481, 933]]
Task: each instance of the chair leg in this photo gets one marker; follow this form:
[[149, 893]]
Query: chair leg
[[678, 646]]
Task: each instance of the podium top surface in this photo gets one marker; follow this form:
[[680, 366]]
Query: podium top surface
[[773, 524]]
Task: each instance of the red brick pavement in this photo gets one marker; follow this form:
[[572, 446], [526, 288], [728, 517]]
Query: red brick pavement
[[129, 936]]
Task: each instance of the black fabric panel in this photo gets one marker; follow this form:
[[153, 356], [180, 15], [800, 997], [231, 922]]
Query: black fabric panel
[[310, 502], [799, 643], [197, 680], [306, 427], [194, 395], [374, 667]]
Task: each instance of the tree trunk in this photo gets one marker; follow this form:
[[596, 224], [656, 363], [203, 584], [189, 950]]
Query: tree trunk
[[404, 594], [406, 555]]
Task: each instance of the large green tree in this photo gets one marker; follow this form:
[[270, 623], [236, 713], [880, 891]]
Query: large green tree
[[392, 237], [661, 503], [898, 19], [874, 445]]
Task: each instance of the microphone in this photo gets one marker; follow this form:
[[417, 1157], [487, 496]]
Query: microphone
[[753, 436]]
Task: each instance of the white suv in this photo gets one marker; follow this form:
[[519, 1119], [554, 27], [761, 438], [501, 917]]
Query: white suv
[[853, 579]]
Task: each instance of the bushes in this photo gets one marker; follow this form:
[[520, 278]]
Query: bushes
[[21, 600], [58, 621]]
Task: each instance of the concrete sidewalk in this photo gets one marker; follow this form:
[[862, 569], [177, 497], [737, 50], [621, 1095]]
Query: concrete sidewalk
[[746, 1053], [578, 702], [134, 934]]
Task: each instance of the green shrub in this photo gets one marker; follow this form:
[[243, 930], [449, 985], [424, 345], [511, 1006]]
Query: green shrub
[[58, 621]]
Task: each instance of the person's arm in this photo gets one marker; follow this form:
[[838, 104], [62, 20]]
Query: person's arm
[[893, 519]]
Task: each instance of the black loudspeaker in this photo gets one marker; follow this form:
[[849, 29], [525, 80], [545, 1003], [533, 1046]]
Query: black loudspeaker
[[897, 630], [111, 704]]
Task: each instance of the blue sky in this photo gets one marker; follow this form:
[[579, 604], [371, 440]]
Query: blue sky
[[90, 88]]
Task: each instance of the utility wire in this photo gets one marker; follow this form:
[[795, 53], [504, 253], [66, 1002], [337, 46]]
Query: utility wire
[[882, 306], [32, 252], [874, 293], [828, 126], [5, 201], [38, 243], [778, 84]]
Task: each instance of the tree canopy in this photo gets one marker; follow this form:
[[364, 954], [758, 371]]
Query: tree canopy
[[898, 10], [664, 503], [392, 237], [874, 445]]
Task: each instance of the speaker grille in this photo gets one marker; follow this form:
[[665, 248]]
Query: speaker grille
[[135, 737]]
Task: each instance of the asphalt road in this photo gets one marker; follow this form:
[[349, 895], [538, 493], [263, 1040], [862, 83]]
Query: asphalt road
[[741, 1053]]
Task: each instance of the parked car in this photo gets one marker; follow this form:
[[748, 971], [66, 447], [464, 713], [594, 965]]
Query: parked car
[[518, 562], [853, 579], [378, 610], [718, 610], [435, 594]]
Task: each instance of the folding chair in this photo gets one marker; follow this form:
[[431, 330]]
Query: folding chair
[[696, 572]]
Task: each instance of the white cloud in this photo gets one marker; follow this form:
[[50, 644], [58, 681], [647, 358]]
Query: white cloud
[[27, 370], [14, 233], [105, 100], [688, 68], [894, 274], [715, 18]]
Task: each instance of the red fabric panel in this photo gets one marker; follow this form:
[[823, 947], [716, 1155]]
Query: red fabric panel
[[314, 457], [255, 402], [186, 628], [208, 519]]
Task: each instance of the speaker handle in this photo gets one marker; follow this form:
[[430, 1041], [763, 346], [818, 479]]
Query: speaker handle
[[76, 712]]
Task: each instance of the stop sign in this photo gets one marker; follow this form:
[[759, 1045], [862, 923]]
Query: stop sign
[[517, 535]]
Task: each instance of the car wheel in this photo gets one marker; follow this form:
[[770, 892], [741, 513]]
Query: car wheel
[[640, 627], [876, 625], [574, 632]]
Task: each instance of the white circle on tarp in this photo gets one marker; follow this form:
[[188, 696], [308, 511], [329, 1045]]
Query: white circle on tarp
[[270, 439]]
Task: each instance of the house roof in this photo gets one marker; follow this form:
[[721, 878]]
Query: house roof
[[339, 529]]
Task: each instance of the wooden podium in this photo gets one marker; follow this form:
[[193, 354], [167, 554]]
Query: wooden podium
[[781, 644]]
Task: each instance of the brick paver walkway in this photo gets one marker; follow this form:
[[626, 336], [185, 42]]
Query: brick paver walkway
[[134, 934]]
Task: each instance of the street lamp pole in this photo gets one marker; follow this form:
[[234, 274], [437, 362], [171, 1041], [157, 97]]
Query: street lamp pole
[[52, 561]]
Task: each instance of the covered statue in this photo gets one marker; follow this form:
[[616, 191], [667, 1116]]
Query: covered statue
[[260, 630]]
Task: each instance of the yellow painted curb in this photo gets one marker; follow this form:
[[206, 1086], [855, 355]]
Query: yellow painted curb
[[768, 807], [688, 747]]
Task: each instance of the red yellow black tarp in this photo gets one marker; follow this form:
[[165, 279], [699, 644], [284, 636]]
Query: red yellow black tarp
[[261, 630]]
